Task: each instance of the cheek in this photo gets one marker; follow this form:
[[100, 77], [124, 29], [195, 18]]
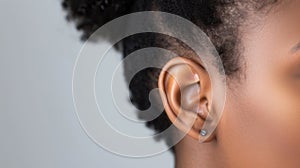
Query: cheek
[[275, 119], [274, 99], [280, 110], [261, 123], [267, 116]]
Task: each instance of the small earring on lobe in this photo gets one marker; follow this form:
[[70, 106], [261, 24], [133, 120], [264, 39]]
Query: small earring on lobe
[[203, 132]]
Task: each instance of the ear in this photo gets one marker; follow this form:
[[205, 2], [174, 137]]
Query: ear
[[185, 89]]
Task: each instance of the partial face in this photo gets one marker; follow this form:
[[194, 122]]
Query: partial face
[[261, 121]]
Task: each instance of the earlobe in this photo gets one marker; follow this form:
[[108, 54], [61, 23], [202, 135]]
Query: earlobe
[[185, 90]]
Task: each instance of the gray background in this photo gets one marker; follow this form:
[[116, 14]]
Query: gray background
[[38, 124]]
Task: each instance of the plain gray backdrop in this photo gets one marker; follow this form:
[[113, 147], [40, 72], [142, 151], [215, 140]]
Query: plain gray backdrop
[[38, 124]]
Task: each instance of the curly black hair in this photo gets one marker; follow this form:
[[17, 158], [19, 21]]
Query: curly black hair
[[219, 19]]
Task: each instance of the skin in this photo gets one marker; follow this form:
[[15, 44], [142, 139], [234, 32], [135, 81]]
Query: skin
[[260, 125]]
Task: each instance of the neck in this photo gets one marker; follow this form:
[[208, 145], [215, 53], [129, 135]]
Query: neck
[[192, 154]]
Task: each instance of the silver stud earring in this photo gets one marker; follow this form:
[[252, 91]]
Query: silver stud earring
[[203, 132]]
